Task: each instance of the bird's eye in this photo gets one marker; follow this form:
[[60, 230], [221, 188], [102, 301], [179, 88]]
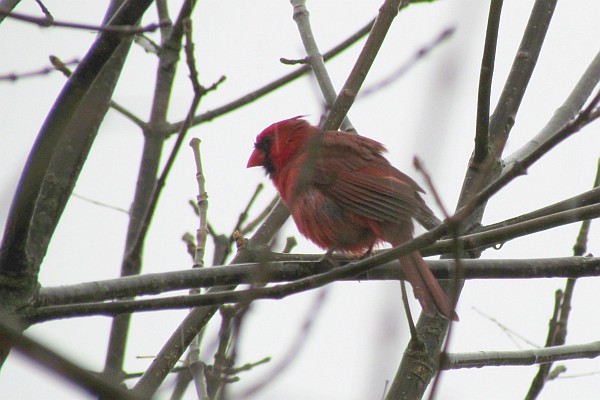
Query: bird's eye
[[263, 144]]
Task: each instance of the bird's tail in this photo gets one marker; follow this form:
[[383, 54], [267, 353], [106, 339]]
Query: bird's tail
[[426, 288]]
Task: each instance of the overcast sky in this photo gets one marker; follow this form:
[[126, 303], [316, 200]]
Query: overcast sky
[[359, 333]]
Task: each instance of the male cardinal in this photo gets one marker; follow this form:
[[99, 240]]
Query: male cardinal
[[344, 195]]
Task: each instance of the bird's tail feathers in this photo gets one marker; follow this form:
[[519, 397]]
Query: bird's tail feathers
[[426, 288]]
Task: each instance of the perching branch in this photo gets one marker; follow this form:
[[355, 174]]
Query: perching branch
[[81, 300]]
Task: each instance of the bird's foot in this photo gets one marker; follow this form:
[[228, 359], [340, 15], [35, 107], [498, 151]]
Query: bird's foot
[[327, 261], [367, 254]]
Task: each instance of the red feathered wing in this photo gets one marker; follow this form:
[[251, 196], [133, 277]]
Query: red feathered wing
[[351, 171]]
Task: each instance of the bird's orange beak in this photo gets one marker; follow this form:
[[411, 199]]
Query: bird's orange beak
[[257, 159]]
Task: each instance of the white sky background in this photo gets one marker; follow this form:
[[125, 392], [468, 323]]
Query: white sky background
[[359, 333]]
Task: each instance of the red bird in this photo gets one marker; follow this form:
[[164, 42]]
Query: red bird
[[344, 195]]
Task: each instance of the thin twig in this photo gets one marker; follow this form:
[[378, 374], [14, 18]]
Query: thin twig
[[409, 317], [128, 114], [419, 55], [48, 22], [202, 201], [45, 10], [272, 86], [260, 218], [511, 333], [99, 203], [61, 66], [14, 76], [244, 214], [291, 355]]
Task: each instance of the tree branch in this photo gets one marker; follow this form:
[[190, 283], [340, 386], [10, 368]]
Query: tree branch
[[433, 330], [148, 188], [347, 95], [94, 384], [486, 73], [272, 86], [557, 331], [121, 29], [520, 357], [315, 59], [62, 302], [19, 263]]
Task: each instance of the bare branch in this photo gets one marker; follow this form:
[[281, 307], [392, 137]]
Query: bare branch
[[503, 118], [15, 76], [489, 238], [520, 357], [17, 259], [303, 279], [148, 188], [407, 65], [46, 22], [482, 148], [565, 113], [347, 95], [202, 201], [285, 271], [557, 331], [94, 384], [272, 86], [315, 59]]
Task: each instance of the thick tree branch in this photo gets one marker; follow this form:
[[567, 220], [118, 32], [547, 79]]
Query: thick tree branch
[[81, 299], [19, 258], [433, 330]]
